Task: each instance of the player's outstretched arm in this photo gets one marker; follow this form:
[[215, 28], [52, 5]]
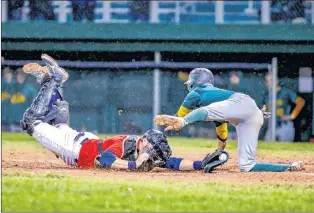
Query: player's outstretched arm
[[210, 162], [109, 160], [180, 164]]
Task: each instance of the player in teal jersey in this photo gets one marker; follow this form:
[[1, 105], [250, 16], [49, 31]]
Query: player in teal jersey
[[285, 114], [208, 103]]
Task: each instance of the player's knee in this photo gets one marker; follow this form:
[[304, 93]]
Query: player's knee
[[245, 166]]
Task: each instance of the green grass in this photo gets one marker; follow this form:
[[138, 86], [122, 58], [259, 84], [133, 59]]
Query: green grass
[[52, 192], [26, 192]]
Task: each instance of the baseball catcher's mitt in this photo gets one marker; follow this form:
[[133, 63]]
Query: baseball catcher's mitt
[[146, 166], [215, 159]]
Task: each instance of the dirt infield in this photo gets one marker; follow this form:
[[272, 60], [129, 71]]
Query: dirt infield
[[21, 159]]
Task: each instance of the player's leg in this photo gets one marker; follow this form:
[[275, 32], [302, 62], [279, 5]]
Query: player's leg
[[39, 106], [50, 79], [238, 108], [200, 114], [58, 141], [247, 145], [247, 142], [35, 117], [59, 117]]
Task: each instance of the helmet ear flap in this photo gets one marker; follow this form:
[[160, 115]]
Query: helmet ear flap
[[189, 84]]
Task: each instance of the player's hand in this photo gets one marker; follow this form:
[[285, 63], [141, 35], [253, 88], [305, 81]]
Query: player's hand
[[146, 166], [287, 118], [265, 113], [169, 128], [142, 158]]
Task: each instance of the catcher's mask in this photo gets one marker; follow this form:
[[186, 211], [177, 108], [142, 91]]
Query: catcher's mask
[[199, 76], [161, 149]]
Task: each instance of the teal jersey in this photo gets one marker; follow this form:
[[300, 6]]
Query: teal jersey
[[6, 94], [22, 97], [285, 97], [205, 95]]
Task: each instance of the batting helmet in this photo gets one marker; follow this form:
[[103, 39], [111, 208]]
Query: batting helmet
[[160, 143], [199, 76]]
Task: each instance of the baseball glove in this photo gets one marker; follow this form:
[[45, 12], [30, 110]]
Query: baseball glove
[[146, 166], [215, 159]]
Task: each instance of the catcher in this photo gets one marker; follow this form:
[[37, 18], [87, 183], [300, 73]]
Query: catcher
[[47, 117]]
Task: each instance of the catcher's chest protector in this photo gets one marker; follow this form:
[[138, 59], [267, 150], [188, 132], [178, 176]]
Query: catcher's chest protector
[[123, 146]]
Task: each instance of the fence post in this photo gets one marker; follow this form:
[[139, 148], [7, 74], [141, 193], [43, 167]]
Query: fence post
[[219, 12], [312, 11], [153, 11], [105, 11], [177, 13], [265, 13], [156, 103], [274, 70], [62, 10], [4, 11]]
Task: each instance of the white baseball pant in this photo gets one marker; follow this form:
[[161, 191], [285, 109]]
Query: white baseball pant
[[61, 140], [241, 111]]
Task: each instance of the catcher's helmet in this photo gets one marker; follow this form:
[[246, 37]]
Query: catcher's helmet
[[159, 142], [199, 76]]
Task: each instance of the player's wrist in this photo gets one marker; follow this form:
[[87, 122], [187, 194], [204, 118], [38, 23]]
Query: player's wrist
[[141, 159], [131, 165]]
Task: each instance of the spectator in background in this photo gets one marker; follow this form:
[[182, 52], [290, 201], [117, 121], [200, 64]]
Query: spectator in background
[[15, 9], [139, 11], [22, 95], [41, 9], [296, 11], [6, 93], [83, 8], [288, 11], [286, 98], [235, 82]]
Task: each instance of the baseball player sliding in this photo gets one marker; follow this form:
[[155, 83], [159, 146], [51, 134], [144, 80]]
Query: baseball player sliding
[[47, 117], [208, 103]]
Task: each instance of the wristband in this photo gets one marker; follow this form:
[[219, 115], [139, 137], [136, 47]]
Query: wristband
[[131, 165]]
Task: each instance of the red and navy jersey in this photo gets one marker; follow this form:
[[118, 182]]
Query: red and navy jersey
[[124, 147]]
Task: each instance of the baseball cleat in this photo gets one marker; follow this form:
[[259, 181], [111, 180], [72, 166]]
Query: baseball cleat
[[49, 60], [36, 70], [296, 166], [58, 73], [172, 122]]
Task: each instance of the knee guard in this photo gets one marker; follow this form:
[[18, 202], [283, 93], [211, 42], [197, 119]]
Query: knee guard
[[62, 115], [39, 106], [56, 96]]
